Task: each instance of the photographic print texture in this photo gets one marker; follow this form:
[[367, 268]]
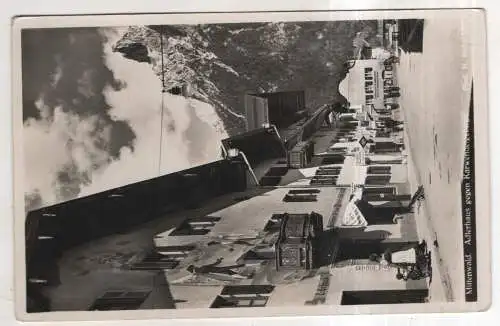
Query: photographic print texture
[[268, 163]]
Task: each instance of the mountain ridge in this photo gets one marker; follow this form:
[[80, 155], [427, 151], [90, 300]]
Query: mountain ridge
[[220, 63]]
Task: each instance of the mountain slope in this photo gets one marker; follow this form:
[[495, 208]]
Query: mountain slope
[[220, 63]]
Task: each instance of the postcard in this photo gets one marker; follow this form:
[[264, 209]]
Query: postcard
[[287, 163]]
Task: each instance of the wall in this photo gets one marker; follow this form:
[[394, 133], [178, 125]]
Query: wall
[[74, 295], [350, 277], [193, 297], [366, 277], [400, 232], [234, 219], [118, 210], [295, 294]]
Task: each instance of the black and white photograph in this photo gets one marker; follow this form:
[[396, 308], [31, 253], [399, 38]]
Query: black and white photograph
[[314, 162]]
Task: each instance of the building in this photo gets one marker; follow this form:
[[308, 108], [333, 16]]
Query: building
[[371, 83], [280, 221]]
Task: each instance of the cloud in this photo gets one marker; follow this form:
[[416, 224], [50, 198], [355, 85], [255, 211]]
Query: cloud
[[139, 103], [69, 133], [93, 121], [191, 129], [62, 152]]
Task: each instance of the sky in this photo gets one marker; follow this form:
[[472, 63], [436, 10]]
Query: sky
[[92, 118]]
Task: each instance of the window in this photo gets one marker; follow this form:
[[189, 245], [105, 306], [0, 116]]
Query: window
[[243, 296], [300, 197], [368, 69], [324, 180], [239, 302], [247, 289], [383, 194], [392, 161], [377, 179], [195, 226], [156, 261], [176, 90], [333, 159], [369, 97], [328, 171], [304, 191], [120, 300], [386, 74], [382, 134], [379, 170], [386, 147], [380, 190], [378, 197]]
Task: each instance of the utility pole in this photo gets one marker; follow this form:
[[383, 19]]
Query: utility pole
[[162, 98], [162, 62]]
